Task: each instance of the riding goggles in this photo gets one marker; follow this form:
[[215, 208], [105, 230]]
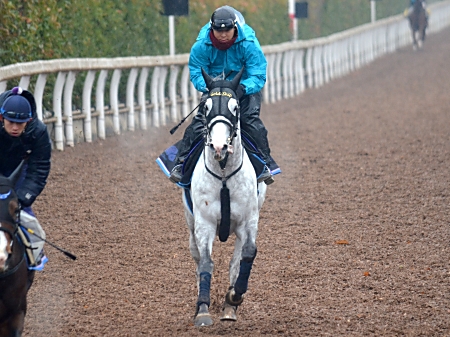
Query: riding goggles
[[17, 117], [221, 25]]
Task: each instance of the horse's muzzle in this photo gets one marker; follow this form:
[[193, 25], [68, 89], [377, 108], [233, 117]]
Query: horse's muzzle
[[221, 151]]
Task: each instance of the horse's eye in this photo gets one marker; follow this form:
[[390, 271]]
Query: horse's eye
[[232, 106], [208, 106]]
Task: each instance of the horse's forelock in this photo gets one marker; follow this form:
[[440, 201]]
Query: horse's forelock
[[220, 98], [222, 84]]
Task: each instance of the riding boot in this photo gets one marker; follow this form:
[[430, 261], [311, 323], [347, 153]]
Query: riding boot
[[192, 132]]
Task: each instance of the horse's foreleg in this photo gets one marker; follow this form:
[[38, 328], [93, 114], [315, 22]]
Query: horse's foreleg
[[235, 261], [423, 34], [229, 311], [204, 274], [15, 325], [202, 316], [414, 40], [193, 249], [235, 295], [420, 43]]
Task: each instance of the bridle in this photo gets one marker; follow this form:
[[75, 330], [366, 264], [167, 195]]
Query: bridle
[[222, 106], [11, 232], [13, 236]]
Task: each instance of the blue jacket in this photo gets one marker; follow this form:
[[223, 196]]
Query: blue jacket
[[245, 52], [34, 146]]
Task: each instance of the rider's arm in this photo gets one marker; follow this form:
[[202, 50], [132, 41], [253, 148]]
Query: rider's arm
[[38, 167], [198, 59], [255, 67]]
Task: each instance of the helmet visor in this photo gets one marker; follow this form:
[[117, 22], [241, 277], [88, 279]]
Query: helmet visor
[[16, 117]]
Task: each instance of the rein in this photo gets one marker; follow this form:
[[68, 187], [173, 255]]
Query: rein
[[12, 271]]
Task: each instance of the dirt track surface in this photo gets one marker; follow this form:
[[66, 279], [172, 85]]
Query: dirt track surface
[[354, 235]]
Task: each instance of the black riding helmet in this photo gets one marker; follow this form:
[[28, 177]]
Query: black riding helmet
[[223, 19]]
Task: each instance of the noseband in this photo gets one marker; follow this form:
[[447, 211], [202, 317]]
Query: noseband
[[222, 119]]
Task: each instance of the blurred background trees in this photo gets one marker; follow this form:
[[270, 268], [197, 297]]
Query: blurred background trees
[[40, 30]]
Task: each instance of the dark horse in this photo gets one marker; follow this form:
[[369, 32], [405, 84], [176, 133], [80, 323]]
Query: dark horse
[[418, 22], [15, 278]]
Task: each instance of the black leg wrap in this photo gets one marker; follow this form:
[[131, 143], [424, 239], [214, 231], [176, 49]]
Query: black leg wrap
[[204, 289], [241, 285]]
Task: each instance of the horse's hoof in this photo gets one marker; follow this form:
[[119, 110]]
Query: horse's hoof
[[233, 299], [203, 318], [228, 313]]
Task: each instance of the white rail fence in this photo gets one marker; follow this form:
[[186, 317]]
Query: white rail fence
[[158, 90]]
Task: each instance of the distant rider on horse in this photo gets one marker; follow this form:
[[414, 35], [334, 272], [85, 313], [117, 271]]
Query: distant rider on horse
[[24, 137], [410, 9], [224, 46]]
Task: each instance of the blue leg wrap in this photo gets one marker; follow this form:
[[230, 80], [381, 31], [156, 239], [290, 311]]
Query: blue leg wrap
[[204, 291]]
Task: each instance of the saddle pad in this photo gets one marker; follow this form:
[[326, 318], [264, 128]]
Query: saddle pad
[[43, 257], [166, 160]]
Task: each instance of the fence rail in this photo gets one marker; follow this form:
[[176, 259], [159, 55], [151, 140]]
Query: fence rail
[[158, 89]]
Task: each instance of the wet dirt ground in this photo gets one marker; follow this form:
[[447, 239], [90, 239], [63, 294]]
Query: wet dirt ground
[[354, 234]]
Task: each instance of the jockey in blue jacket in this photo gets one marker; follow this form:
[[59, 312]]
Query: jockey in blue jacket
[[224, 46], [24, 137]]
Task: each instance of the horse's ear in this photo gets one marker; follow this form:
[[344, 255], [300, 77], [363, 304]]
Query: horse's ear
[[207, 78], [235, 81], [16, 174]]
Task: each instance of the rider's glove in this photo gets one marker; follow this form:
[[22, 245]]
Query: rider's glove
[[240, 91]]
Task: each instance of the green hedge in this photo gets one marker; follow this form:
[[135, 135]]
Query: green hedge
[[39, 30]]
